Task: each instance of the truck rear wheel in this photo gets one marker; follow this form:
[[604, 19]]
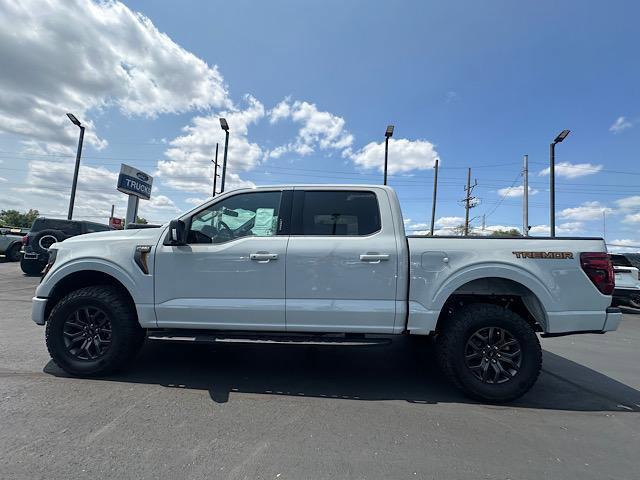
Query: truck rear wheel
[[489, 352], [93, 331]]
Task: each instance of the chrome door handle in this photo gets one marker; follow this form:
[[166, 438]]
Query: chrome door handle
[[374, 257], [263, 257]]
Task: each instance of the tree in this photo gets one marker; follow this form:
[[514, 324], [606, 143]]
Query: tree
[[512, 232], [141, 220], [13, 218]]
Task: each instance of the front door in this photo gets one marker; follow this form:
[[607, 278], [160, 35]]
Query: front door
[[231, 274], [342, 262]]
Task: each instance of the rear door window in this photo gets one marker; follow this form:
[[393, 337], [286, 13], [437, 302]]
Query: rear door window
[[338, 213]]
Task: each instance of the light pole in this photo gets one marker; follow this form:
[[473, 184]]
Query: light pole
[[552, 181], [387, 135], [215, 171], [76, 122], [225, 126]]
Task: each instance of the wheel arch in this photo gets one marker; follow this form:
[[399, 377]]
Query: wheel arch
[[74, 279], [510, 286]]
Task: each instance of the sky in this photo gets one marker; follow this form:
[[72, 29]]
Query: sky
[[308, 89]]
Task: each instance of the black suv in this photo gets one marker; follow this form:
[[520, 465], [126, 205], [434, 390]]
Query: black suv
[[47, 231]]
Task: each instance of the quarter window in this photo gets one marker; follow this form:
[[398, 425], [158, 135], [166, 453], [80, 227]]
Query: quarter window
[[340, 213], [243, 215]]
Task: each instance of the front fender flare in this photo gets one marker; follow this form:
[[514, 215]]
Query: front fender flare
[[88, 264]]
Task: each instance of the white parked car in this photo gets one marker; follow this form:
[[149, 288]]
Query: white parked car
[[324, 262], [627, 291]]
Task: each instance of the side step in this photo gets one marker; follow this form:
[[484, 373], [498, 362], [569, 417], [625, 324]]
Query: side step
[[276, 339]]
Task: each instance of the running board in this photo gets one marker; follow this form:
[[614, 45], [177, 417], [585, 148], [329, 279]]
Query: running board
[[346, 340]]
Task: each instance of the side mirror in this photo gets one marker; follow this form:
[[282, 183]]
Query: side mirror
[[177, 234]]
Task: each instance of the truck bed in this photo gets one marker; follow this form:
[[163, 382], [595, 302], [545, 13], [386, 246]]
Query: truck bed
[[546, 272]]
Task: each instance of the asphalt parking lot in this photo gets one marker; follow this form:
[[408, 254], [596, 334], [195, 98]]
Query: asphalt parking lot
[[301, 412]]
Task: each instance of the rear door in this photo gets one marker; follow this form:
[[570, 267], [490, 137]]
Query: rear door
[[342, 261]]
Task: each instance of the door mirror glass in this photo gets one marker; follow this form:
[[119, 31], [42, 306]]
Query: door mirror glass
[[177, 234]]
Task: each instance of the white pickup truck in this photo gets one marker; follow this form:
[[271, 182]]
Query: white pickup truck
[[323, 263]]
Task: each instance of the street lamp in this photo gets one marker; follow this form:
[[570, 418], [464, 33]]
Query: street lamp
[[225, 126], [387, 135], [552, 181], [76, 122]]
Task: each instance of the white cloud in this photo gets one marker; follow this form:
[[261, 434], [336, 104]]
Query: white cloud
[[415, 227], [632, 218], [322, 130], [196, 201], [515, 191], [586, 211], [447, 222], [620, 125], [573, 170], [567, 228], [624, 245], [627, 203], [404, 155], [280, 111], [188, 166], [81, 56]]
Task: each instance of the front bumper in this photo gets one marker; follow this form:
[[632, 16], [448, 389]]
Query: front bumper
[[613, 319], [38, 307]]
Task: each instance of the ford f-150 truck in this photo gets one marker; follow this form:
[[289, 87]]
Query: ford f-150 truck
[[327, 262]]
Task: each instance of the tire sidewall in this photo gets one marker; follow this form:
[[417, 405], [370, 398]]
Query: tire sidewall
[[14, 252], [31, 267], [529, 345], [55, 337]]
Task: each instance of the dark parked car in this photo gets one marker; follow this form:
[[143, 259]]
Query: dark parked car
[[47, 231], [11, 242]]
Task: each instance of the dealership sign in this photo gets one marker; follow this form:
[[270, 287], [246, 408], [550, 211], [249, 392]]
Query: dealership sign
[[134, 182]]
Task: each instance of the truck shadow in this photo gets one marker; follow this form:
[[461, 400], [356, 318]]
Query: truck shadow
[[389, 372]]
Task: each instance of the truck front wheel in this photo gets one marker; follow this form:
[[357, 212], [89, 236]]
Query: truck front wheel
[[489, 352], [93, 331]]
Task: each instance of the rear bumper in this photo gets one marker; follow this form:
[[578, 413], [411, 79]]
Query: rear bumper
[[38, 307], [614, 317]]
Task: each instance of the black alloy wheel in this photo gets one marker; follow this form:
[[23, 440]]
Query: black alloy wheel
[[87, 333], [493, 355]]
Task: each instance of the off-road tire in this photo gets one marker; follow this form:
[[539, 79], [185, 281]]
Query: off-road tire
[[31, 267], [451, 342], [13, 254], [126, 335]]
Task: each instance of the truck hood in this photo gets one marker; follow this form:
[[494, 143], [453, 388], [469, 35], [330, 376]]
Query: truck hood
[[145, 235]]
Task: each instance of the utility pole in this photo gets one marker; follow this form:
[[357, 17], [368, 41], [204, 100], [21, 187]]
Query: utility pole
[[525, 203], [215, 171], [483, 221], [467, 200], [604, 225], [435, 194]]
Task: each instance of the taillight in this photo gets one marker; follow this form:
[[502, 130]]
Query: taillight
[[599, 269], [25, 240]]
